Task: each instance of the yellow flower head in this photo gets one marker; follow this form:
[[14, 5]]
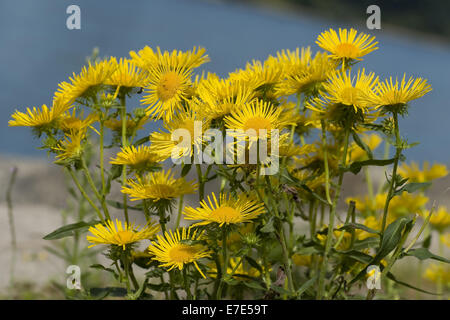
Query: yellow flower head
[[307, 75], [40, 119], [406, 204], [173, 251], [225, 211], [147, 59], [438, 273], [255, 116], [414, 174], [90, 76], [137, 159], [219, 97], [71, 148], [120, 235], [127, 75], [169, 144], [389, 93], [72, 122], [343, 89], [445, 239], [346, 45], [439, 220], [157, 186]]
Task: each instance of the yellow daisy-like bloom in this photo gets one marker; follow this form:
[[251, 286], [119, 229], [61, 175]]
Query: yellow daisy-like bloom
[[172, 252], [240, 272], [343, 89], [90, 76], [146, 58], [414, 174], [166, 90], [72, 122], [256, 116], [71, 148], [157, 186], [440, 220], [438, 272], [138, 158], [445, 239], [346, 45], [40, 119], [389, 93], [307, 76], [219, 97], [120, 235], [225, 211], [127, 75], [166, 147], [358, 154], [366, 205]]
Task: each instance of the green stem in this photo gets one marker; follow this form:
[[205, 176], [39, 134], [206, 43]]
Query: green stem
[[83, 192], [11, 225], [187, 287], [94, 188], [332, 216], [225, 262], [325, 161], [398, 151], [201, 183], [123, 112], [180, 211], [286, 260]]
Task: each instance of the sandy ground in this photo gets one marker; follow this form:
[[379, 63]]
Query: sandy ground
[[39, 196]]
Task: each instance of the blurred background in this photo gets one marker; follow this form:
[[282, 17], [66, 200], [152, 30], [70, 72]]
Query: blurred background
[[38, 51]]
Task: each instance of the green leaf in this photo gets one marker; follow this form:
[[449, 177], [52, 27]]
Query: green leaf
[[423, 254], [268, 227], [161, 287], [68, 230], [142, 140], [357, 255], [362, 145], [253, 263], [356, 166], [370, 242], [391, 238], [280, 290], [296, 182], [412, 187], [352, 225], [392, 277], [185, 169], [254, 285], [306, 286]]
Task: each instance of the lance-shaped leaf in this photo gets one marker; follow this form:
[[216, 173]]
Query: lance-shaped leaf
[[70, 229]]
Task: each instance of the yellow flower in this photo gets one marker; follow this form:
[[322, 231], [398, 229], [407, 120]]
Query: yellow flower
[[172, 251], [392, 94], [256, 116], [439, 220], [94, 75], [40, 119], [414, 174], [71, 148], [346, 45], [219, 97], [147, 59], [120, 235], [225, 211], [72, 123], [127, 75], [241, 272], [438, 272], [366, 205], [445, 239], [343, 89], [406, 203], [139, 158], [307, 75], [168, 144], [157, 186], [358, 154]]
